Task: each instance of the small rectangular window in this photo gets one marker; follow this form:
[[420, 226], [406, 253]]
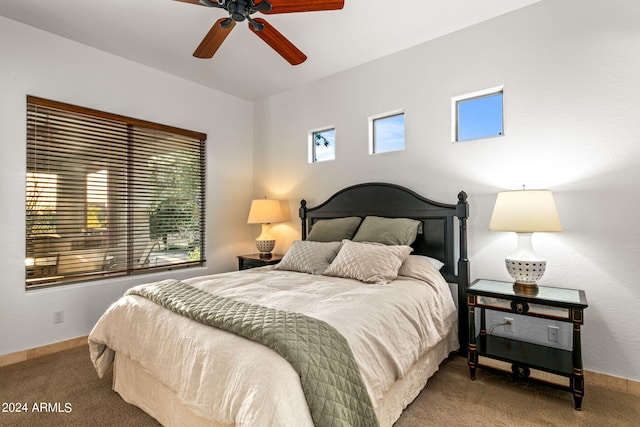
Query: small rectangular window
[[478, 115], [322, 145], [386, 133]]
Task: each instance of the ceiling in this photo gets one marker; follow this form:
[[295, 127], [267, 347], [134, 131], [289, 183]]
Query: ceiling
[[163, 34]]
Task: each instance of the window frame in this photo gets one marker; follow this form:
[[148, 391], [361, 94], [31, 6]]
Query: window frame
[[130, 148], [372, 131], [313, 157], [484, 93]]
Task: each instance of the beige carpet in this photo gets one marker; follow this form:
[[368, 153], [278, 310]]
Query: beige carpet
[[68, 378]]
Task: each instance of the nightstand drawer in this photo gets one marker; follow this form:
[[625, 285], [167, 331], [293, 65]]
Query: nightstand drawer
[[523, 307], [251, 263], [246, 262]]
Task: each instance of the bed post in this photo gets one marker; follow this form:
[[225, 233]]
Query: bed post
[[462, 212], [302, 213]]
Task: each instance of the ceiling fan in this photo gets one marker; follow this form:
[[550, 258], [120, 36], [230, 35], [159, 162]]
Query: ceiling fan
[[240, 10]]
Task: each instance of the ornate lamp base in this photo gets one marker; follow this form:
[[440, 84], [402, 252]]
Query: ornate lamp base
[[525, 267], [265, 247], [526, 289]]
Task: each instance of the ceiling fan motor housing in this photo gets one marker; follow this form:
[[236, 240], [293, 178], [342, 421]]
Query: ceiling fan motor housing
[[238, 10]]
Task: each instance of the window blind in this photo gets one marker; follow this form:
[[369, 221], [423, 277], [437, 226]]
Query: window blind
[[108, 195]]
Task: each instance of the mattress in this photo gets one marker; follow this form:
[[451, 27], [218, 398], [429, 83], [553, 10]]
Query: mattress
[[177, 369]]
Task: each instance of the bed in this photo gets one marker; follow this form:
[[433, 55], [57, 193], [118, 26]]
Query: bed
[[390, 306]]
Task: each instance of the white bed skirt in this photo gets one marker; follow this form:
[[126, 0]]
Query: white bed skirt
[[138, 387]]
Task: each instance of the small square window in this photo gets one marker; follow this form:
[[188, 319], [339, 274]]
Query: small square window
[[322, 145], [386, 133], [478, 115]]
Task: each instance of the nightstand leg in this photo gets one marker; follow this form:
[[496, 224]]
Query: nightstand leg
[[472, 353], [483, 328], [577, 376]]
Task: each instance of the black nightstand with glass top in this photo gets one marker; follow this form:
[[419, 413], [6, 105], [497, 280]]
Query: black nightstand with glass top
[[559, 304]]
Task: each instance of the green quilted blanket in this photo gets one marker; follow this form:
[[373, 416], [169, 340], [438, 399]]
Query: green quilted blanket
[[330, 378]]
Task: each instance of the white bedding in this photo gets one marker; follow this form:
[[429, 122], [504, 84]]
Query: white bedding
[[229, 379]]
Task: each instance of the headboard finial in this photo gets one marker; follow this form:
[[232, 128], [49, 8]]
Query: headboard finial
[[302, 213], [462, 196]]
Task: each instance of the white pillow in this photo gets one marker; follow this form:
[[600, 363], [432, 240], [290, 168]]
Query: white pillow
[[368, 262], [435, 262], [309, 257]]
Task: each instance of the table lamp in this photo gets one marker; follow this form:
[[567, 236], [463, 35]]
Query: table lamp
[[265, 211], [525, 212]]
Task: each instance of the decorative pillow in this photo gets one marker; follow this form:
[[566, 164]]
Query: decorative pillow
[[388, 231], [368, 262], [334, 230], [423, 268], [435, 262], [415, 264], [309, 257]]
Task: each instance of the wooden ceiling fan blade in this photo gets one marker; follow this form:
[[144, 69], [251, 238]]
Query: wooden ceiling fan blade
[[290, 6], [279, 43], [214, 38]]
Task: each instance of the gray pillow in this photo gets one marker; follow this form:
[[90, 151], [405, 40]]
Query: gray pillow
[[388, 231], [309, 257], [334, 230]]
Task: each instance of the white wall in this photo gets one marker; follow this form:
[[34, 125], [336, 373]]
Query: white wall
[[36, 63], [572, 105]]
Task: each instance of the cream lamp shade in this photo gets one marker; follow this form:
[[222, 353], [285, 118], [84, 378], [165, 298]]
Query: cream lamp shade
[[525, 212], [265, 211]]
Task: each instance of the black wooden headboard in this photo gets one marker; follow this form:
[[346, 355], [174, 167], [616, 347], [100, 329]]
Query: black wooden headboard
[[440, 239]]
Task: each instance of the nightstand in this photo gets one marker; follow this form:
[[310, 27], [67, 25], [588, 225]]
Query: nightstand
[[559, 304], [246, 262]]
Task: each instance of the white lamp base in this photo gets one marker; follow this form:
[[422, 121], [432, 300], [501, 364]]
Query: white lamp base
[[524, 266], [264, 242], [265, 247]]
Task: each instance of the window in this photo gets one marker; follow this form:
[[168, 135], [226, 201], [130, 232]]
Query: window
[[478, 115], [386, 133], [322, 145], [109, 196]]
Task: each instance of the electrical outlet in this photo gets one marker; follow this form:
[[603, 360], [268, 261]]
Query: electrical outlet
[[553, 333], [508, 324], [58, 316]]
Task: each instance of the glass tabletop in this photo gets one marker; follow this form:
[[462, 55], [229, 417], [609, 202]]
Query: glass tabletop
[[546, 293]]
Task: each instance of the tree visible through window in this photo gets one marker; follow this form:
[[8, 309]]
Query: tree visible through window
[[41, 199], [108, 195], [322, 145]]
